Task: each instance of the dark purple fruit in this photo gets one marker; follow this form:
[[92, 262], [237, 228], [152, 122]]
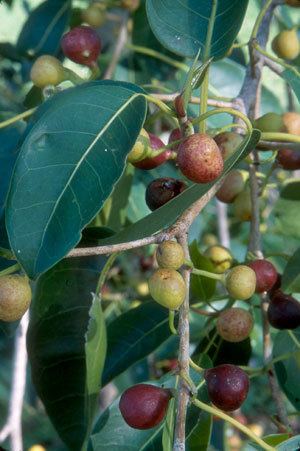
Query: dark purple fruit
[[162, 190], [283, 311], [289, 159], [266, 275], [200, 159], [152, 162], [144, 406], [227, 386], [82, 45]]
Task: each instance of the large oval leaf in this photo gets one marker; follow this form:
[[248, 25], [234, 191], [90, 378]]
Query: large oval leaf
[[68, 165], [44, 27], [181, 25], [66, 333], [291, 275]]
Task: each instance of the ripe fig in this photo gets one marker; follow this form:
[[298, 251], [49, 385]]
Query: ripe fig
[[175, 136], [286, 44], [141, 147], [240, 282], [144, 406], [170, 255], [199, 158], [283, 311], [153, 162], [168, 288], [269, 122], [289, 159], [162, 190], [266, 275], [227, 386], [220, 257], [94, 15], [291, 121], [228, 142], [15, 297], [242, 206], [234, 324], [47, 70], [233, 185], [82, 45]]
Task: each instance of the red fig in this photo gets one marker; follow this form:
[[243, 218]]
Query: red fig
[[162, 190], [82, 45], [283, 311], [152, 162], [266, 275]]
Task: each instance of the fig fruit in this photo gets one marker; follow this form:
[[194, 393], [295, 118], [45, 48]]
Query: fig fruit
[[131, 5], [240, 282], [81, 45], [168, 288], [233, 185], [291, 122], [220, 257], [153, 162], [15, 297], [227, 386], [269, 122], [141, 147], [144, 406], [47, 70], [162, 190], [286, 44], [228, 142], [283, 311], [266, 275], [242, 206], [170, 255], [199, 158], [234, 324], [289, 159], [294, 3], [94, 15]]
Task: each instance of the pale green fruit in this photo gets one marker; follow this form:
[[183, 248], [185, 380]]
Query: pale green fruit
[[141, 148], [269, 122], [47, 70], [242, 206], [233, 184], [286, 44], [168, 288], [220, 257], [240, 282], [15, 297], [228, 142], [169, 254], [94, 15]]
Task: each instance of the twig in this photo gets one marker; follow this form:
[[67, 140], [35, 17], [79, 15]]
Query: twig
[[195, 100], [13, 426], [223, 226], [120, 44]]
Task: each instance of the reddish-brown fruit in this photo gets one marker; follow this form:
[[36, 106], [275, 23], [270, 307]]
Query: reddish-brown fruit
[[266, 275], [162, 190], [233, 185], [199, 158], [234, 324], [289, 159], [144, 406], [294, 3], [227, 386], [175, 136], [276, 285], [153, 162], [179, 106], [82, 45], [283, 311], [228, 143]]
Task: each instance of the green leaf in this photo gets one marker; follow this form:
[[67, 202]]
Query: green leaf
[[62, 340], [287, 209], [199, 437], [202, 287], [168, 213], [291, 275], [134, 335], [168, 431], [293, 444], [181, 25], [44, 27], [293, 80], [68, 165], [119, 200], [272, 440], [288, 370]]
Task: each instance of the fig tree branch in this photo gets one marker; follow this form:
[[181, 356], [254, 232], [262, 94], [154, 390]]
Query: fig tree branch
[[120, 44]]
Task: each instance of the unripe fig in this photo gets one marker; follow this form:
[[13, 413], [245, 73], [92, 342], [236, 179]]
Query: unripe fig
[[241, 282], [286, 44], [234, 324], [199, 158], [154, 162], [233, 184], [228, 142], [15, 297], [82, 45], [266, 275], [168, 288], [209, 239], [227, 386], [175, 136], [283, 311], [47, 70], [144, 406], [269, 122], [289, 159], [220, 257], [94, 15], [291, 121], [294, 3], [131, 5], [140, 148], [242, 206], [162, 190], [170, 255]]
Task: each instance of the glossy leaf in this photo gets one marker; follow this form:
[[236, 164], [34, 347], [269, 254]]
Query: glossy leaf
[[168, 213], [44, 27], [272, 440], [68, 165], [168, 431], [181, 25], [57, 347], [288, 370], [293, 80], [293, 444], [203, 288], [287, 209], [291, 275], [134, 335]]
